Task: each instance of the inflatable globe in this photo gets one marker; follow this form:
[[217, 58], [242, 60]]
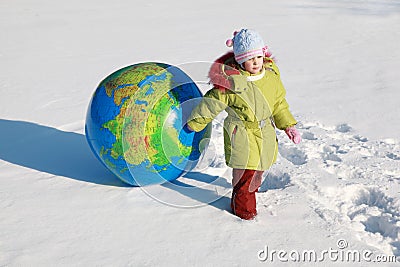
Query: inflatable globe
[[135, 123]]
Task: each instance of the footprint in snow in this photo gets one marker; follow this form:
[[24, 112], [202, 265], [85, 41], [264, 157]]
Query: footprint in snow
[[329, 153], [343, 128], [308, 136], [374, 197], [393, 156], [360, 138], [274, 180], [380, 211], [293, 154], [383, 225]]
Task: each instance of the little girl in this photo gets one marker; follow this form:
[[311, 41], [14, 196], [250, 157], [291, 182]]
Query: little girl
[[247, 85]]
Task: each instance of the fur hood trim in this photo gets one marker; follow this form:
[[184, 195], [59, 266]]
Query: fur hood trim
[[224, 67]]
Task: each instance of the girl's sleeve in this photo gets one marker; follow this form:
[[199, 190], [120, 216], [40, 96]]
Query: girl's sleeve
[[282, 116], [213, 102]]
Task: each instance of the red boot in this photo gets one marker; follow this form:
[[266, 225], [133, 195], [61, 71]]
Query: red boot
[[245, 186]]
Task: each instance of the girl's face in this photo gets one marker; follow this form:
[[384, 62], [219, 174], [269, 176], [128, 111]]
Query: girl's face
[[254, 65]]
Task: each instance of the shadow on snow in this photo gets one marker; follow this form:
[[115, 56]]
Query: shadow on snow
[[61, 153]]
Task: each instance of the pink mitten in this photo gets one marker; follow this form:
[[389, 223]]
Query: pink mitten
[[293, 134]]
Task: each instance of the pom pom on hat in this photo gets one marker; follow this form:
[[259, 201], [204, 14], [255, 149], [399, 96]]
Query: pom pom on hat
[[246, 44], [229, 42]]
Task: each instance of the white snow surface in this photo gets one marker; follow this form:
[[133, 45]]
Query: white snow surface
[[336, 191]]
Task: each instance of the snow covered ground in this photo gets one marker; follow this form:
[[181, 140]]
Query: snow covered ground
[[335, 194]]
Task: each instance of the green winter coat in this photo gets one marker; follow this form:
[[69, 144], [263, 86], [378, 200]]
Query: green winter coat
[[253, 103]]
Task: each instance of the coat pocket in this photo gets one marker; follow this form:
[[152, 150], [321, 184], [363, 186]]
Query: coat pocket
[[233, 136]]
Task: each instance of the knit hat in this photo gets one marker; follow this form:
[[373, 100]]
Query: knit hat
[[246, 45]]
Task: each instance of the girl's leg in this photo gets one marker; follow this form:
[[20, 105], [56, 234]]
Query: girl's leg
[[256, 181], [245, 185]]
